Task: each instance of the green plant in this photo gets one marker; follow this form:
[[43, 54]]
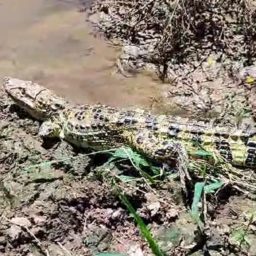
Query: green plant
[[143, 228]]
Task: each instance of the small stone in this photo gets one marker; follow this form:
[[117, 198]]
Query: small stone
[[39, 220], [172, 213], [21, 221], [154, 208], [135, 250], [2, 240], [109, 211], [14, 232], [116, 214]]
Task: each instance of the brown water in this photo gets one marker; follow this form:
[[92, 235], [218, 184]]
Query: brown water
[[48, 41]]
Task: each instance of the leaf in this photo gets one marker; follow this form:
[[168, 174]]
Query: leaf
[[136, 159], [156, 170], [211, 188], [139, 160], [129, 154], [203, 153], [120, 153], [125, 178], [240, 237]]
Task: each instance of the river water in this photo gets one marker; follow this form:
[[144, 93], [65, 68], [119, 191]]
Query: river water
[[48, 41]]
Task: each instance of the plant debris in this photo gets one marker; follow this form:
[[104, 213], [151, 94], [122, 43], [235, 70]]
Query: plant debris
[[199, 48], [176, 32]]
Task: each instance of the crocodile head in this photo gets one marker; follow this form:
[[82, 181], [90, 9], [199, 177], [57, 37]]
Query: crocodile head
[[39, 102]]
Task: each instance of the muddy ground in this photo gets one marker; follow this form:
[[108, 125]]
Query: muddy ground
[[54, 201], [59, 201]]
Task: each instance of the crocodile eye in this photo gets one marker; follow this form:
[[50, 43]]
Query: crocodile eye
[[56, 106]]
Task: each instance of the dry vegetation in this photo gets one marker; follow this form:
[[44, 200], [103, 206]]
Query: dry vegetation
[[176, 32]]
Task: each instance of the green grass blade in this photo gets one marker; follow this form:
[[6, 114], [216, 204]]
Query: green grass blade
[[127, 179], [128, 153], [211, 188], [143, 228], [136, 160], [199, 188]]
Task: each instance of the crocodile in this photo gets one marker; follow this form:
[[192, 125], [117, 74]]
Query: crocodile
[[161, 138]]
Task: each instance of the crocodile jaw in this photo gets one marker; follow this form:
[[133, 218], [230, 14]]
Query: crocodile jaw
[[36, 100]]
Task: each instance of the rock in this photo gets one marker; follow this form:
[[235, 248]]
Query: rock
[[135, 250], [21, 221], [14, 232], [133, 51]]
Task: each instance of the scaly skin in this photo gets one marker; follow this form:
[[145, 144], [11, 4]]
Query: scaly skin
[[161, 138]]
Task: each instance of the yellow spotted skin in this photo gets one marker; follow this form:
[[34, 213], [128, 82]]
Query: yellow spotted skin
[[160, 137]]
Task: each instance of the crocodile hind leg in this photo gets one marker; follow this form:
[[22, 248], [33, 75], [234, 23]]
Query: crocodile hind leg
[[163, 151]]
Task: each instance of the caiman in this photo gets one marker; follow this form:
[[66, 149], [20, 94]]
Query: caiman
[[162, 138]]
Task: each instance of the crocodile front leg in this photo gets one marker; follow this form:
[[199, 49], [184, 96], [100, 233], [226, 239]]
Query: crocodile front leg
[[51, 129]]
